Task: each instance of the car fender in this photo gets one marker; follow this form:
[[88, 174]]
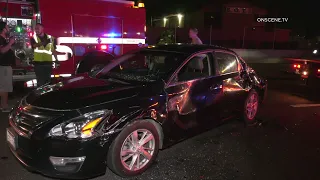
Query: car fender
[[116, 124]]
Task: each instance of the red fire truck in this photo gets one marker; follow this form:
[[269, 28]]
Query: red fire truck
[[80, 27]]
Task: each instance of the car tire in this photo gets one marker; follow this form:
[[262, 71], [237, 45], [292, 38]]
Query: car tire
[[114, 159], [251, 102]]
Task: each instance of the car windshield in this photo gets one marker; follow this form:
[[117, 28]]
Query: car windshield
[[142, 66]]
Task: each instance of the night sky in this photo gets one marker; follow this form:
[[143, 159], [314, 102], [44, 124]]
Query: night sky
[[303, 15]]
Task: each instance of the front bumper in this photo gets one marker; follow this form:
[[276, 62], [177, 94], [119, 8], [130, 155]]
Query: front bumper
[[35, 155]]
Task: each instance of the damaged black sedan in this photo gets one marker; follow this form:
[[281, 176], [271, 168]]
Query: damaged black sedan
[[120, 116]]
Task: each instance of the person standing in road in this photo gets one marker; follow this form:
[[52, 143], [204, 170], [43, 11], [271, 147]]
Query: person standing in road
[[44, 47], [193, 34], [7, 60]]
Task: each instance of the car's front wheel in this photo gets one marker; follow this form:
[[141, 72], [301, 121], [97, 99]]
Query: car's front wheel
[[134, 150]]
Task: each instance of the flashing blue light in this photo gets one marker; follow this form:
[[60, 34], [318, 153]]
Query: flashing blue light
[[112, 35]]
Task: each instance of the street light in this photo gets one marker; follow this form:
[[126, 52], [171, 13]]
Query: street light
[[315, 51], [180, 16], [164, 22]]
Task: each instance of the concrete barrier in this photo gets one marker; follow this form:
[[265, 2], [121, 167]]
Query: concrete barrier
[[267, 55], [274, 70], [270, 63]]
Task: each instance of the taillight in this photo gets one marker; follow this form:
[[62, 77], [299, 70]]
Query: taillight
[[103, 47], [318, 70], [297, 66]]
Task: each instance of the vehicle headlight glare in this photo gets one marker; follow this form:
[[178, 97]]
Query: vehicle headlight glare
[[80, 127]]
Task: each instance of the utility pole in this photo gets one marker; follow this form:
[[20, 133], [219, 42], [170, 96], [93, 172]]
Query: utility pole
[[210, 34], [274, 35], [243, 37]]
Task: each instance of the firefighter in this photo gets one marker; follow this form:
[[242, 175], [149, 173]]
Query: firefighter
[[193, 34], [44, 46]]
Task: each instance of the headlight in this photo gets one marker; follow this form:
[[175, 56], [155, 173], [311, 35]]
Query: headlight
[[80, 127]]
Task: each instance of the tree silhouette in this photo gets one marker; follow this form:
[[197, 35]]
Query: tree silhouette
[[166, 37]]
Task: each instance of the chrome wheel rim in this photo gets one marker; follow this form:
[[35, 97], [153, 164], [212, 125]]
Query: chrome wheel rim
[[252, 106], [137, 149]]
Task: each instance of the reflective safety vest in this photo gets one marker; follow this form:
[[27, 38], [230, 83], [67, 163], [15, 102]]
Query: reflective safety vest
[[43, 54]]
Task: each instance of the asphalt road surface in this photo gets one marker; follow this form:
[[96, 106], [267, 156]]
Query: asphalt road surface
[[284, 145]]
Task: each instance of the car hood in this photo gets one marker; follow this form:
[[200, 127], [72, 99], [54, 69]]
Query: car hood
[[80, 91]]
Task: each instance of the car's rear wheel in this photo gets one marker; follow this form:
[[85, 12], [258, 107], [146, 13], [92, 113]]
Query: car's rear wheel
[[251, 108], [134, 150]]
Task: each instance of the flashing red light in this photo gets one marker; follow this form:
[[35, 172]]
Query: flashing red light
[[103, 47], [297, 66], [318, 70]]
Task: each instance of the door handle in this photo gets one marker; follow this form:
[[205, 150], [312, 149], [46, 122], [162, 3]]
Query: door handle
[[216, 87]]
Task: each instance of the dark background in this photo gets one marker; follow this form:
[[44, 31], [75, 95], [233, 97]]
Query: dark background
[[302, 15]]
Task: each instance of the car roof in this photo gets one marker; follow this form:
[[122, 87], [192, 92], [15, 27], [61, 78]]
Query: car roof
[[186, 48]]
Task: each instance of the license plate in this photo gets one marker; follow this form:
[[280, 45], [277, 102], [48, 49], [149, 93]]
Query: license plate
[[11, 139]]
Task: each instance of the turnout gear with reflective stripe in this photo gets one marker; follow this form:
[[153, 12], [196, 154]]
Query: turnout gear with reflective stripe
[[43, 54]]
